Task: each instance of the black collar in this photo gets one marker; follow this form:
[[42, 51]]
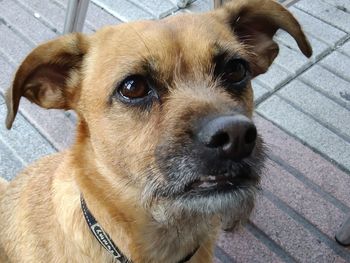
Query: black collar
[[104, 239]]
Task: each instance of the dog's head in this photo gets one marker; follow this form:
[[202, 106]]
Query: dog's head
[[165, 106]]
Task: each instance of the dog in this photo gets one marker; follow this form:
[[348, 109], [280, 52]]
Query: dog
[[166, 148]]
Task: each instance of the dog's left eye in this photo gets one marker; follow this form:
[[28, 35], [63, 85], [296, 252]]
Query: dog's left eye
[[134, 87], [235, 71]]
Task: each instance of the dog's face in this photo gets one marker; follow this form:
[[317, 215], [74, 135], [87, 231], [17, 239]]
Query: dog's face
[[174, 111], [166, 106]]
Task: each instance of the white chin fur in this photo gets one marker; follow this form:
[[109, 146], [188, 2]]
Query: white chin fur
[[232, 206]]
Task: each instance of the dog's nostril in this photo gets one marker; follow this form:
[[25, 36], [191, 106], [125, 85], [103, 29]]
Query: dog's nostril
[[218, 140], [250, 135]]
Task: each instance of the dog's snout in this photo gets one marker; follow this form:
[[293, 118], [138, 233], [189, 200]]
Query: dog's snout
[[234, 136]]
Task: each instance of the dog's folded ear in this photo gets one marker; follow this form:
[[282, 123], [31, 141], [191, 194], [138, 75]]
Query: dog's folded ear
[[49, 76], [255, 22]]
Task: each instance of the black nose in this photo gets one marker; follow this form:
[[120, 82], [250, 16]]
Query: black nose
[[234, 136]]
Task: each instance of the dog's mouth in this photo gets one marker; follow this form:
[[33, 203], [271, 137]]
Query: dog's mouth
[[207, 184], [190, 175], [211, 182]]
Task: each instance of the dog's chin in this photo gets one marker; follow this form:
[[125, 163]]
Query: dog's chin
[[236, 205], [218, 193], [209, 199], [221, 195]]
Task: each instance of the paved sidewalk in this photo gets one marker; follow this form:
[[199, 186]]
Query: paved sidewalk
[[303, 113]]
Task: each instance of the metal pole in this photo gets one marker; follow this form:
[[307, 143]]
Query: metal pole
[[343, 234], [75, 16]]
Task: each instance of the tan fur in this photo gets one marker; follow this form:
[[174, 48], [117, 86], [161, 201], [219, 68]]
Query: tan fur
[[40, 214]]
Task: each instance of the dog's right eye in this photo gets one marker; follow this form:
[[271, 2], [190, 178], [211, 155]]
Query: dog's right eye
[[134, 87], [136, 90]]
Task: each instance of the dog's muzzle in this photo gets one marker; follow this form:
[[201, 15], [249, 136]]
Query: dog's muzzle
[[224, 140], [223, 154]]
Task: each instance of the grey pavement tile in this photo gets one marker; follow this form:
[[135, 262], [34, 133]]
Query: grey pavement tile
[[97, 17], [328, 83], [12, 45], [157, 8], [72, 116], [338, 63], [6, 72], [275, 77], [54, 125], [291, 60], [343, 5], [199, 6], [302, 199], [49, 12], [221, 256], [243, 246], [87, 29], [259, 91], [345, 48], [318, 105], [62, 3], [294, 237], [309, 167], [326, 12], [319, 48], [124, 10], [23, 138], [317, 28], [25, 23], [180, 3], [307, 130], [10, 164], [180, 11]]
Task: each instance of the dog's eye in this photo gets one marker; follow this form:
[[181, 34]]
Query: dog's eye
[[235, 71], [134, 87]]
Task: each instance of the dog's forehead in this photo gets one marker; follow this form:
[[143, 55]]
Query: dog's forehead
[[183, 45], [186, 36]]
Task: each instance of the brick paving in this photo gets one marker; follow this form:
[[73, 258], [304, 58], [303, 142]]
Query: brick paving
[[302, 112]]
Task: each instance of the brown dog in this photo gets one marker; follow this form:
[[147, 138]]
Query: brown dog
[[165, 145]]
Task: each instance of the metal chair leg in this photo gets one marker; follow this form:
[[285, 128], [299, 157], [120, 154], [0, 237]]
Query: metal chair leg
[[75, 16], [343, 234]]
